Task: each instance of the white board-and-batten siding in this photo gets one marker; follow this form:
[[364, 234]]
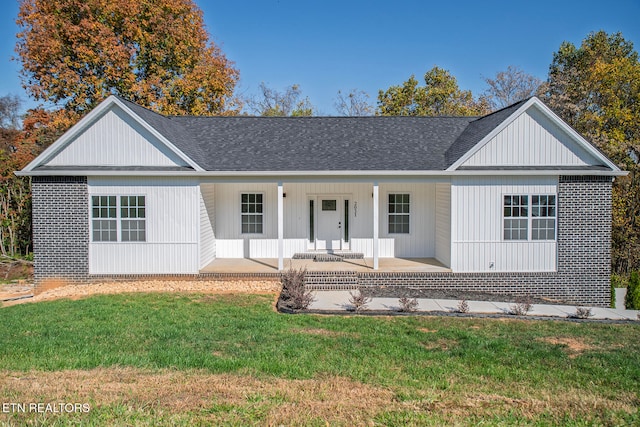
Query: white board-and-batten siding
[[477, 243], [207, 224], [172, 228], [115, 139], [443, 223], [533, 140]]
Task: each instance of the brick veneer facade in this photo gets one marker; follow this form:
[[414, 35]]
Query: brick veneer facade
[[61, 242], [583, 264], [60, 228]]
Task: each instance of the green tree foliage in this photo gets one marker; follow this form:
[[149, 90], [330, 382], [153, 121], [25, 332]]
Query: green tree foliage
[[632, 299], [596, 88], [272, 103], [75, 53], [440, 96]]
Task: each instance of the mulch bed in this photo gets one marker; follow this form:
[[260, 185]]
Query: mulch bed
[[450, 294]]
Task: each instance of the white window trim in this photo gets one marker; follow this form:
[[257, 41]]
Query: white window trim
[[410, 214], [264, 212], [529, 217], [118, 218]]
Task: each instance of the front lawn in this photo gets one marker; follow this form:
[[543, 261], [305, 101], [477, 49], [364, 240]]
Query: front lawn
[[184, 359]]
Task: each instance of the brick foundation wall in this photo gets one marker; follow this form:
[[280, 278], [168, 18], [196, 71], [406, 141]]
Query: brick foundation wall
[[60, 229], [584, 256]]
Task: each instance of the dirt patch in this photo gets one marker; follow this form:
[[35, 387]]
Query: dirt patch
[[427, 331], [574, 347], [11, 269], [57, 289], [323, 332], [440, 344]]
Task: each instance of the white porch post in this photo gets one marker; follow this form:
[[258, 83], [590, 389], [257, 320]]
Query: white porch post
[[280, 227], [376, 225]]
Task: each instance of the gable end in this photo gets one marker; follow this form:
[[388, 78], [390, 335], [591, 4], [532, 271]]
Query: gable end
[[533, 137], [114, 139]]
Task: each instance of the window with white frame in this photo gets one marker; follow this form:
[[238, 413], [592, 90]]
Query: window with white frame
[[104, 218], [132, 214], [529, 212], [252, 213], [399, 213], [126, 214], [543, 217]]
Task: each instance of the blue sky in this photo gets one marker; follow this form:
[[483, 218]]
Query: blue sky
[[326, 46]]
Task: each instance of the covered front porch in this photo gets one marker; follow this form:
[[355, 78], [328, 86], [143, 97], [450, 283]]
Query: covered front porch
[[396, 224], [359, 265]]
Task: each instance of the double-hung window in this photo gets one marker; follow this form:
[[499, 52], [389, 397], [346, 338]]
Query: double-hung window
[[543, 217], [399, 213], [132, 214], [529, 217], [104, 218], [252, 213], [118, 219]]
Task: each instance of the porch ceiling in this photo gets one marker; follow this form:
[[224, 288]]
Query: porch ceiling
[[270, 265]]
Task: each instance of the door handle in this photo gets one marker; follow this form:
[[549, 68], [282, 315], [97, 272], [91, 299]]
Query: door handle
[[339, 225]]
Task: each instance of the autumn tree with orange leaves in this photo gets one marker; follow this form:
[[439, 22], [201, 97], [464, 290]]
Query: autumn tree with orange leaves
[[75, 53], [157, 53]]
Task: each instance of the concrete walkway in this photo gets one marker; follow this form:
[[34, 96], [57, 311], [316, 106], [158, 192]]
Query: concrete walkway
[[338, 301]]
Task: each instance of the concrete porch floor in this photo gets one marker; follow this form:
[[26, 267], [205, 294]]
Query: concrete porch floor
[[270, 265]]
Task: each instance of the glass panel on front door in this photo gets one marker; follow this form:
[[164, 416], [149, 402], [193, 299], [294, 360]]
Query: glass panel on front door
[[329, 205]]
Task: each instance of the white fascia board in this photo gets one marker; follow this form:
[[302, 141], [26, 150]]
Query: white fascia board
[[325, 174], [86, 121], [551, 116]]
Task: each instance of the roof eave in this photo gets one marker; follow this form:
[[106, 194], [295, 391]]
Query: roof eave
[[358, 173]]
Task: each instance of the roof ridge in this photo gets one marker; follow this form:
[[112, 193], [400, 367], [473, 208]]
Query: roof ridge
[[321, 117], [522, 101], [119, 97]]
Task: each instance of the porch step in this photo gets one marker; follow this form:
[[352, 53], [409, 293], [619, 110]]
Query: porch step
[[331, 280], [328, 256]]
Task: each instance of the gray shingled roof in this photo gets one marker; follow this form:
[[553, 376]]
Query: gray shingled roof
[[243, 143]]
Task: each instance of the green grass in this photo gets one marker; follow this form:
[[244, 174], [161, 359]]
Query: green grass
[[432, 365]]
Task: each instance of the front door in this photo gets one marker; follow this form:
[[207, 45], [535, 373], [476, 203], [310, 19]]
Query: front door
[[329, 224]]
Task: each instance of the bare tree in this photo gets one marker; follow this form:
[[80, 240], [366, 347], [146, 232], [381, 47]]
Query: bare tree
[[355, 103], [509, 87], [9, 112], [271, 102]]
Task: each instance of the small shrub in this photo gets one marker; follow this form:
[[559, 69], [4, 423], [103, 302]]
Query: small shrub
[[408, 305], [582, 313], [295, 294], [521, 307], [359, 300], [463, 306], [632, 300]]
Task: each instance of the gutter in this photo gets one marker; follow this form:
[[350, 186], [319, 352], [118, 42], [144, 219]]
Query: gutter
[[328, 174]]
